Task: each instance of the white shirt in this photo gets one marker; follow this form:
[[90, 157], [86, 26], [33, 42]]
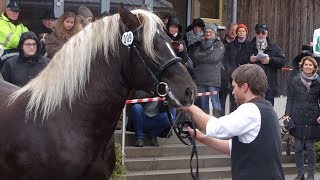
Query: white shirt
[[244, 122]]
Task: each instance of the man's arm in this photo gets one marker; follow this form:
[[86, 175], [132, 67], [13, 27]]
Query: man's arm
[[200, 117], [213, 143]]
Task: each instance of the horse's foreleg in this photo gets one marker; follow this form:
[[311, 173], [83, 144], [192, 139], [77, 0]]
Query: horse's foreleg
[[103, 167]]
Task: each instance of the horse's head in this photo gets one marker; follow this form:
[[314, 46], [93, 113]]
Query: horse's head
[[153, 63]]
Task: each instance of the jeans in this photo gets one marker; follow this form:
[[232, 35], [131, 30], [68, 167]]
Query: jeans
[[203, 101], [299, 145], [153, 126]]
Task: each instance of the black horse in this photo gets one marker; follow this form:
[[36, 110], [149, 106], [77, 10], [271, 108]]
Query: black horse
[[58, 126]]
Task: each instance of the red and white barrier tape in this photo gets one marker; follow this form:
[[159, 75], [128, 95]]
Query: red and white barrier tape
[[286, 69], [133, 101], [154, 99], [207, 93]]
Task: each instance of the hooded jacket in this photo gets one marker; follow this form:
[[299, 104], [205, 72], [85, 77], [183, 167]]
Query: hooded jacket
[[19, 70]]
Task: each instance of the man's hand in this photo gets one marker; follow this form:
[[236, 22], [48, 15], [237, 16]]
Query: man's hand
[[180, 48], [265, 60], [199, 135], [318, 120], [253, 58]]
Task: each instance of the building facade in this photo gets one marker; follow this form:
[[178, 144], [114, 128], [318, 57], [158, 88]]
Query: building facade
[[291, 22]]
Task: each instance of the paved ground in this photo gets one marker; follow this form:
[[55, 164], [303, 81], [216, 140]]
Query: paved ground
[[280, 105]]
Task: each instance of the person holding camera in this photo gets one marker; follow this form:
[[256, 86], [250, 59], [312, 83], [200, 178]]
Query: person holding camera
[[302, 109], [269, 56], [250, 134], [174, 31]]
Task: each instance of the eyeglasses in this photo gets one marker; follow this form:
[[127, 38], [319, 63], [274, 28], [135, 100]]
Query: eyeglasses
[[208, 32], [261, 32], [29, 45]]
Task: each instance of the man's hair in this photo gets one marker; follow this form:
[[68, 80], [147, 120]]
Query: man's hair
[[254, 76], [231, 24]]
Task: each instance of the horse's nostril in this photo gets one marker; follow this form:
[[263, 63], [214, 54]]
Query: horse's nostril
[[189, 94]]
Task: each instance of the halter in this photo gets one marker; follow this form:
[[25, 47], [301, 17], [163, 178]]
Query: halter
[[162, 89]]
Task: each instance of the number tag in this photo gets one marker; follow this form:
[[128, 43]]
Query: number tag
[[127, 38]]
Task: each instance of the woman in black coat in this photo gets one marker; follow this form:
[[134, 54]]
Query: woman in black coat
[[303, 109]]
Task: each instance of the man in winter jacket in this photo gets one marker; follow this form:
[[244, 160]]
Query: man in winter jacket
[[11, 27], [19, 70], [270, 57]]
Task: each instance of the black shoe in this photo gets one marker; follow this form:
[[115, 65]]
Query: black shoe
[[154, 142], [310, 178], [299, 177], [139, 143]]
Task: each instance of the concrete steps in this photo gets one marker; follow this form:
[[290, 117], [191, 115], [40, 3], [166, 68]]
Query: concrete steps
[[171, 161]]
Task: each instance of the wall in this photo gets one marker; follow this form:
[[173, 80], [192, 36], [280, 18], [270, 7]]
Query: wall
[[291, 23], [2, 5]]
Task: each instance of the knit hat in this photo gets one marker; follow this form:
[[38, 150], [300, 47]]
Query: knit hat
[[85, 12], [242, 26], [48, 14], [212, 26], [198, 22], [174, 21]]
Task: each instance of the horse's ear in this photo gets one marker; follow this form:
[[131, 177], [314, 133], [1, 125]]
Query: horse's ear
[[127, 18]]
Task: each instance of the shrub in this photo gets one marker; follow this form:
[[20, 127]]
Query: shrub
[[317, 147], [119, 169]]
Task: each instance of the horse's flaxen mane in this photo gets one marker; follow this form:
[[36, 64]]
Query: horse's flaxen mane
[[65, 77]]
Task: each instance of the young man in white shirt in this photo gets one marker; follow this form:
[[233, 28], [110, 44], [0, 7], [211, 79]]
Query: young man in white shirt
[[250, 134]]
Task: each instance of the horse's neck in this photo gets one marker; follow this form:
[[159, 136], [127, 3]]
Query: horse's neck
[[105, 93]]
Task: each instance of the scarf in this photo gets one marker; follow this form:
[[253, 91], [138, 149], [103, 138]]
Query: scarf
[[307, 80], [194, 37], [206, 44]]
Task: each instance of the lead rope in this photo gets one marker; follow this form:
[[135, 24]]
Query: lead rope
[[195, 176]]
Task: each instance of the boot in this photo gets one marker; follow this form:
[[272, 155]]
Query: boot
[[310, 177], [299, 177]]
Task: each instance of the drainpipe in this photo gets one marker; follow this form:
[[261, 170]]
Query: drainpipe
[[188, 13], [234, 11]]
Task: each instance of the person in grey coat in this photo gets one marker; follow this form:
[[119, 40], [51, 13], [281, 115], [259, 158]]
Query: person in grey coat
[[20, 69], [207, 56]]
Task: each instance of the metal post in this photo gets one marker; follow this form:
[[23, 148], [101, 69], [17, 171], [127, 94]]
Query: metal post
[[123, 132], [234, 11], [105, 5], [188, 16], [149, 4], [58, 7]]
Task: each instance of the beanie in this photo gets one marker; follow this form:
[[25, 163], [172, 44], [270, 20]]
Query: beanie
[[211, 26], [242, 26], [85, 12]]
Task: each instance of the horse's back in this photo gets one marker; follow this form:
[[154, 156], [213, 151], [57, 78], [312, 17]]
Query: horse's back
[[6, 89]]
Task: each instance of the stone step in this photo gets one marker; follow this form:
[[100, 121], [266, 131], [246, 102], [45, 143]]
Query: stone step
[[184, 174], [173, 140], [166, 150], [177, 162], [130, 139], [181, 162]]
